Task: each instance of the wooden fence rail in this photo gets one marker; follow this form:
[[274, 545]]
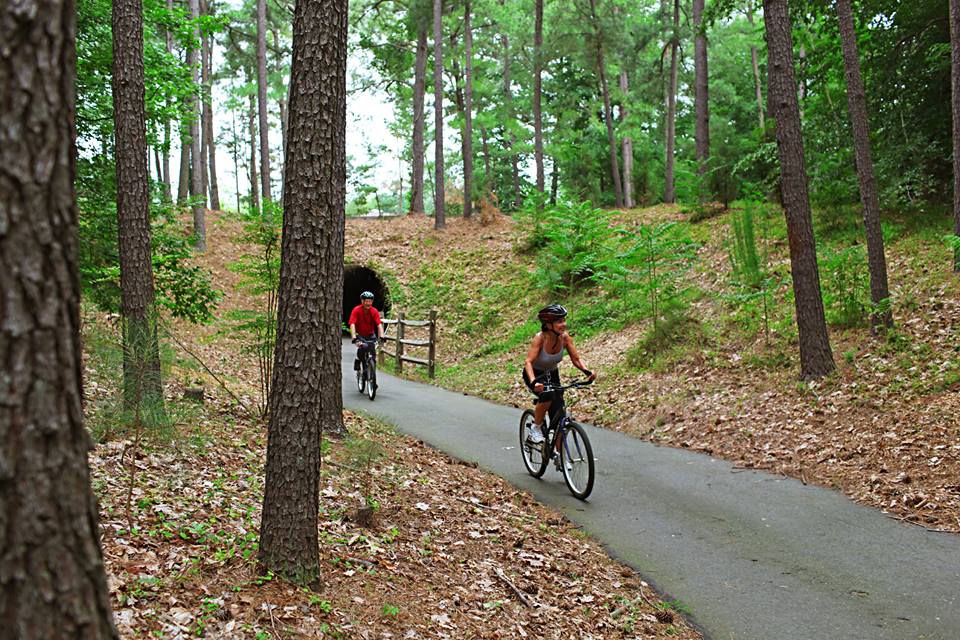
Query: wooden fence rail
[[401, 341]]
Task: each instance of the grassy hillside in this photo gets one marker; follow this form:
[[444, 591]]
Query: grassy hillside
[[883, 428]]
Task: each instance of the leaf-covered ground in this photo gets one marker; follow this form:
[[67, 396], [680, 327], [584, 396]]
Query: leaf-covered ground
[[883, 429], [451, 552]]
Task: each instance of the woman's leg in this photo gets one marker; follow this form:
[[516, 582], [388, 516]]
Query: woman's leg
[[541, 410]]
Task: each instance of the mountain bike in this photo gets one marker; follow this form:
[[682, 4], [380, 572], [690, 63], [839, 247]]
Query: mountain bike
[[565, 442], [367, 373]]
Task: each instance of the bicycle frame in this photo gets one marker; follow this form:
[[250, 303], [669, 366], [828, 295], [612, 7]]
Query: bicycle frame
[[561, 416]]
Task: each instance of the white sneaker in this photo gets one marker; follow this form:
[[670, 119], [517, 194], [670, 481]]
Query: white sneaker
[[536, 436]]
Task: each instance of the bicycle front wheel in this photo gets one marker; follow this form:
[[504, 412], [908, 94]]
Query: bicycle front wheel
[[533, 454], [576, 460], [372, 378]]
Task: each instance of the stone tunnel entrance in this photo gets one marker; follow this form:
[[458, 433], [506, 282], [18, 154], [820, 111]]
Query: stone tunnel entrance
[[356, 280]]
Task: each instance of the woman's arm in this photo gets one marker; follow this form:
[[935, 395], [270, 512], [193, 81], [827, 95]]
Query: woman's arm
[[532, 354], [575, 358]]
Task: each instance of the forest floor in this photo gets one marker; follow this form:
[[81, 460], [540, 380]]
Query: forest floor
[[451, 551], [883, 429]]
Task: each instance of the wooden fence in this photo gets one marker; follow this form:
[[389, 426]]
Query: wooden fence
[[402, 342]]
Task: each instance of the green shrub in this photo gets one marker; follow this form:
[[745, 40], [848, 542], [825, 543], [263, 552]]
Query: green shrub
[[575, 245], [650, 264], [752, 278], [181, 288], [846, 292], [261, 277]]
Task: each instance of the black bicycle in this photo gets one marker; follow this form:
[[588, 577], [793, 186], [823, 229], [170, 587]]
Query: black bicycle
[[367, 373], [565, 442]]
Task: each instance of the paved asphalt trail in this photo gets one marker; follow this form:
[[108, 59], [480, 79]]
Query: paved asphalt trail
[[753, 556]]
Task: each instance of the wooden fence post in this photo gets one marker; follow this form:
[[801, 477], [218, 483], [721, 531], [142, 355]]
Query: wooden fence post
[[380, 355], [400, 342], [431, 368]]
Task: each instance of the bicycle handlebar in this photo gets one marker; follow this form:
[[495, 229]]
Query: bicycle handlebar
[[576, 384]]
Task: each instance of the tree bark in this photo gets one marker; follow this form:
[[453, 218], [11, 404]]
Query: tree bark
[[537, 93], [955, 85], [306, 393], [234, 148], [438, 189], [756, 75], [626, 145], [183, 180], [167, 184], [208, 133], [607, 109], [484, 143], [203, 97], [197, 192], [262, 102], [141, 353], [282, 107], [701, 97], [419, 90], [554, 175], [468, 115], [669, 192], [254, 187], [860, 124], [508, 105], [53, 583], [816, 358]]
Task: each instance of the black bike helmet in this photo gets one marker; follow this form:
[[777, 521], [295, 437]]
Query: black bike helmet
[[366, 295], [552, 313]]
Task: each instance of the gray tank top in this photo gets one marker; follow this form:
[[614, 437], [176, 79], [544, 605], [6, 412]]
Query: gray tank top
[[548, 361]]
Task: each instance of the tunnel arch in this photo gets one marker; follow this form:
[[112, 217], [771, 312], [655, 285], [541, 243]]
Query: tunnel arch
[[356, 280]]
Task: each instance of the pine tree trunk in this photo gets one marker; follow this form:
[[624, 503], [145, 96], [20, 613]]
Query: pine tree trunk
[[234, 149], [438, 189], [669, 192], [484, 143], [860, 123], [419, 89], [306, 393], [197, 192], [607, 109], [282, 107], [701, 98], [262, 102], [955, 84], [626, 145], [204, 97], [141, 354], [254, 187], [537, 93], [468, 115], [167, 184], [183, 180], [53, 583], [508, 104], [209, 135], [816, 358], [554, 175], [756, 75]]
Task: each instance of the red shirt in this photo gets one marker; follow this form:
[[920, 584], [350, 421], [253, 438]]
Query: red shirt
[[366, 321]]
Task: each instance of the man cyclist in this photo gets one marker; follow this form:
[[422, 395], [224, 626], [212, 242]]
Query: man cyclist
[[365, 322], [543, 358]]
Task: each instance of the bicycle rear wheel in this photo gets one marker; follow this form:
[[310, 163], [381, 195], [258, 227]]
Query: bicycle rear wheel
[[534, 458], [371, 377], [576, 460]]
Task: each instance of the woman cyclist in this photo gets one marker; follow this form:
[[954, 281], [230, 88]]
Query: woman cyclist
[[543, 358]]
